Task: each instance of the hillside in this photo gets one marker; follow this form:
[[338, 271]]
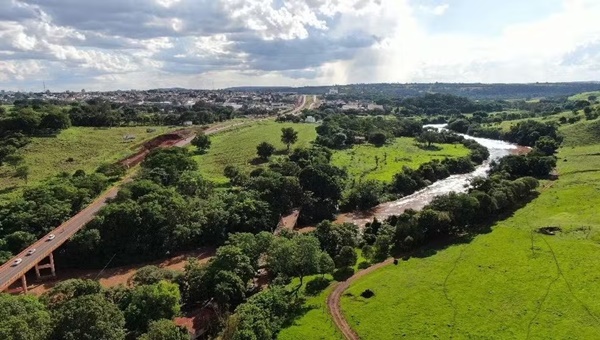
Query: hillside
[[73, 149]]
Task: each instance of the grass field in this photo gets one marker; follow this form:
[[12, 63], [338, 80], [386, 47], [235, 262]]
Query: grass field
[[238, 146], [512, 283], [316, 322], [360, 160], [89, 147], [585, 96]]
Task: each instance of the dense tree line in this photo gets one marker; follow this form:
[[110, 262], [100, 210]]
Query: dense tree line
[[170, 207], [340, 131], [102, 113], [44, 207], [81, 309], [526, 133]]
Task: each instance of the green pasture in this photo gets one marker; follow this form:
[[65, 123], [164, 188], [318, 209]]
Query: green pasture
[[75, 148], [361, 163], [238, 146]]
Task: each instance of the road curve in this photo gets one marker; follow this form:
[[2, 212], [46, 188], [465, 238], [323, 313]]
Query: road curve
[[333, 300], [9, 273]]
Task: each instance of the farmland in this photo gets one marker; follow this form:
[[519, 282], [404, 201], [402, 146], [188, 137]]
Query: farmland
[[75, 148], [238, 146], [360, 161], [510, 283]]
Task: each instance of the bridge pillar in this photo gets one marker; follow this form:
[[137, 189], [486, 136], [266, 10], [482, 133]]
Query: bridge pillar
[[52, 265], [37, 271], [49, 265], [24, 283]]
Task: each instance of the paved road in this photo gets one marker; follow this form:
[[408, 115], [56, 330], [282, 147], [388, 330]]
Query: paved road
[[10, 274]]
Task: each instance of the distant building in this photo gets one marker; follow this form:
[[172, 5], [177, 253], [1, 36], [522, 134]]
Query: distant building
[[188, 123], [310, 119]]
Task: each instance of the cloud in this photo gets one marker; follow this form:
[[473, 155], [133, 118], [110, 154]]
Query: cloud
[[204, 43]]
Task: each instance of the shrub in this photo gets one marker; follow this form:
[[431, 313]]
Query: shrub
[[316, 285], [364, 265], [343, 274], [367, 294]]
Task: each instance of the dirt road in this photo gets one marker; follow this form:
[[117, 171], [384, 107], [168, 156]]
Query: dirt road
[[333, 301]]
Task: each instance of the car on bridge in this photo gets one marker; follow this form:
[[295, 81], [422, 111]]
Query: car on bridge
[[51, 237], [31, 251], [17, 261]]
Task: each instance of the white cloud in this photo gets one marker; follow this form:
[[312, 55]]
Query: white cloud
[[434, 10], [198, 43]]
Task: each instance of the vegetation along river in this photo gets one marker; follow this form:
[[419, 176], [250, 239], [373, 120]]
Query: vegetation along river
[[456, 183]]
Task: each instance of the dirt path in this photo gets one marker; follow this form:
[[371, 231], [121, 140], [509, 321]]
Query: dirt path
[[333, 300]]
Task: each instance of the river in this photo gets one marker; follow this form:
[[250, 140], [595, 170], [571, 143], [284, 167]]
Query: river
[[456, 183]]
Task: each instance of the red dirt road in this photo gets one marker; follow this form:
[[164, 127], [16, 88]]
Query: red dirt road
[[333, 300]]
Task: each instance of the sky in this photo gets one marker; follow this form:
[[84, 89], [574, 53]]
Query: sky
[[143, 44]]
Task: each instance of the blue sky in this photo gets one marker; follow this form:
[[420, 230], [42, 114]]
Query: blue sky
[[488, 17], [118, 44]]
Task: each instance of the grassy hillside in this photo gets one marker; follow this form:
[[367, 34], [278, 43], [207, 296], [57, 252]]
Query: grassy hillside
[[360, 160], [585, 95], [238, 146], [582, 133], [88, 147], [510, 283]]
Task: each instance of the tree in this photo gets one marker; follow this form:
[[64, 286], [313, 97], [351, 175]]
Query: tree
[[22, 172], [378, 138], [23, 317], [70, 289], [289, 136], [429, 137], [55, 120], [149, 275], [346, 258], [547, 145], [202, 142], [151, 303], [164, 329], [296, 257], [365, 195], [18, 241], [264, 150], [89, 317]]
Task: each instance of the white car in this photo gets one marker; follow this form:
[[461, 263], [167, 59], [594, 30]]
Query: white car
[[17, 261], [31, 251], [51, 237]]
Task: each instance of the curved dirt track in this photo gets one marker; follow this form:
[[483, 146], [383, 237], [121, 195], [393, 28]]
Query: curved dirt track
[[333, 300]]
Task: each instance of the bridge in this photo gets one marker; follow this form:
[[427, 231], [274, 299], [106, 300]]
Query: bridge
[[44, 247]]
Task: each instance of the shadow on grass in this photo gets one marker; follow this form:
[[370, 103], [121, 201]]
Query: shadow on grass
[[282, 152], [258, 161]]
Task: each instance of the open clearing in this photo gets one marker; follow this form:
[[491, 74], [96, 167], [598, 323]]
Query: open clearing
[[238, 146], [510, 283], [361, 164], [88, 147]]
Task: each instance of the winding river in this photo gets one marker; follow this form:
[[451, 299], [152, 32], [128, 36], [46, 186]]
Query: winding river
[[456, 183]]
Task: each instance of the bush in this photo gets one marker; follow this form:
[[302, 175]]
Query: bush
[[364, 265], [317, 285], [343, 274], [367, 294]]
